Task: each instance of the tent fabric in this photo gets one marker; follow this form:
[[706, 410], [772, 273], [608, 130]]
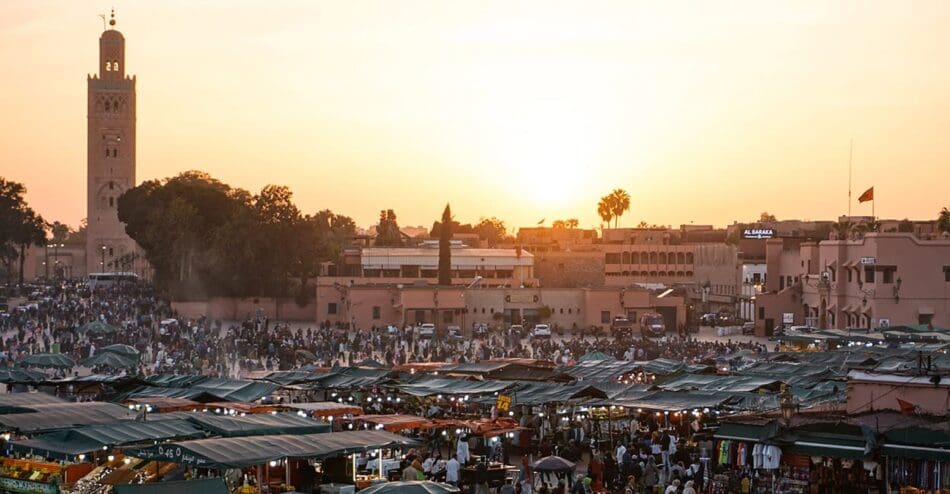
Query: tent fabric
[[836, 440], [204, 388], [672, 401], [120, 349], [350, 378], [738, 384], [27, 399], [112, 360], [537, 393], [553, 464], [920, 443], [327, 408], [21, 376], [48, 360], [434, 385], [258, 425], [239, 452], [396, 422], [287, 378], [64, 415], [235, 389], [67, 443], [196, 486], [747, 432], [97, 327]]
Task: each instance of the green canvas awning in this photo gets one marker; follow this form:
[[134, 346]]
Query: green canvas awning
[[64, 416], [197, 486], [239, 452], [424, 385], [835, 440], [258, 425], [917, 442], [756, 433], [68, 443]]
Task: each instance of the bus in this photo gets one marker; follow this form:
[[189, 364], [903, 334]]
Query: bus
[[106, 280], [652, 325]]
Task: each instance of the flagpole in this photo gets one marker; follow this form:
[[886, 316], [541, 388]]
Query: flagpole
[[850, 156]]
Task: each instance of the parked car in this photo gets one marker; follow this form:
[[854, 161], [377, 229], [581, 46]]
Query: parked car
[[748, 327], [426, 330], [516, 330], [480, 330], [541, 331]]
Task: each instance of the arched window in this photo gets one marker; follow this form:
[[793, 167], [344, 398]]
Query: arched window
[[111, 185], [680, 258], [626, 258], [634, 258], [653, 258], [662, 257], [689, 258]]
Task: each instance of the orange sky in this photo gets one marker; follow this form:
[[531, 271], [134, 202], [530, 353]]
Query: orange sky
[[706, 112]]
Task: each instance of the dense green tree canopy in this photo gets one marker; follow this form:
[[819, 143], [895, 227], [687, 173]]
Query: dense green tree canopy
[[205, 238]]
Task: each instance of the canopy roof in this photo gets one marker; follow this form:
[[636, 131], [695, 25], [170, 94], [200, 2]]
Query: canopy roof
[[327, 408], [396, 422], [112, 360], [72, 442], [196, 486], [28, 399], [257, 425], [26, 376], [917, 442], [423, 385], [64, 415], [595, 357], [747, 432], [48, 360], [97, 327], [707, 382], [201, 388], [239, 452]]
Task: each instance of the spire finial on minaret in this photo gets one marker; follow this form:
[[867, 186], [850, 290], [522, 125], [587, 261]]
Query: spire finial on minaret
[[112, 18]]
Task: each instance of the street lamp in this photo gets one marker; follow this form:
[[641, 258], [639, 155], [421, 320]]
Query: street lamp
[[787, 404]]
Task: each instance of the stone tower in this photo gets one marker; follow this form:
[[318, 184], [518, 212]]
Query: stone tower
[[110, 157]]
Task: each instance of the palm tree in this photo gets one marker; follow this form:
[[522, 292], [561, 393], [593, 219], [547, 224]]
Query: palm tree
[[572, 223], [604, 210], [620, 204], [943, 221]]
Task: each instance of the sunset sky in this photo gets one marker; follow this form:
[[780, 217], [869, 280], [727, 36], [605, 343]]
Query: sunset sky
[[706, 112]]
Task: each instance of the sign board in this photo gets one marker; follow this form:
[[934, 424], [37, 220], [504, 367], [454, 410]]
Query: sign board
[[21, 485], [883, 323], [503, 404], [868, 260], [758, 233], [788, 317]]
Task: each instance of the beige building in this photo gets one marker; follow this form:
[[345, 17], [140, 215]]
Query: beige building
[[380, 305], [420, 266], [875, 280], [110, 158]]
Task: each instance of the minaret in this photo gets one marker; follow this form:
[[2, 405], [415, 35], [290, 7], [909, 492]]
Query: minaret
[[110, 156]]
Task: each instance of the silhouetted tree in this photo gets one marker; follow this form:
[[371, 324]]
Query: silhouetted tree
[[445, 250]]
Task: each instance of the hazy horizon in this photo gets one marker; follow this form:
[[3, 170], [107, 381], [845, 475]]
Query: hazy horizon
[[704, 113]]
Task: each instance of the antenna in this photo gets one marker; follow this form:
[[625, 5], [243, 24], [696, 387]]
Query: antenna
[[850, 156]]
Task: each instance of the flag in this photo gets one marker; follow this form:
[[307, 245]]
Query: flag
[[907, 407], [868, 195]]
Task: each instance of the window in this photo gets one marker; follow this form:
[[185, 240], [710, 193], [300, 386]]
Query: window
[[331, 308], [108, 66], [781, 283], [761, 313], [110, 251], [376, 312], [111, 185], [888, 275], [612, 258], [562, 310], [605, 316], [111, 202], [869, 274], [570, 310], [946, 274], [850, 276]]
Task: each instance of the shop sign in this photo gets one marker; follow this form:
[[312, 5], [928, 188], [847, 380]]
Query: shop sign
[[758, 233], [868, 261], [19, 485], [788, 317], [503, 404]]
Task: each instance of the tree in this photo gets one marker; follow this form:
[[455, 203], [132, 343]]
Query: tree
[[568, 223], [943, 221], [642, 224], [59, 232], [387, 231], [619, 204], [767, 217], [445, 250], [605, 210], [491, 231], [20, 226]]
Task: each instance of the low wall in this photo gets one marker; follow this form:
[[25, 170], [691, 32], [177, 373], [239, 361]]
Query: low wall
[[234, 309]]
